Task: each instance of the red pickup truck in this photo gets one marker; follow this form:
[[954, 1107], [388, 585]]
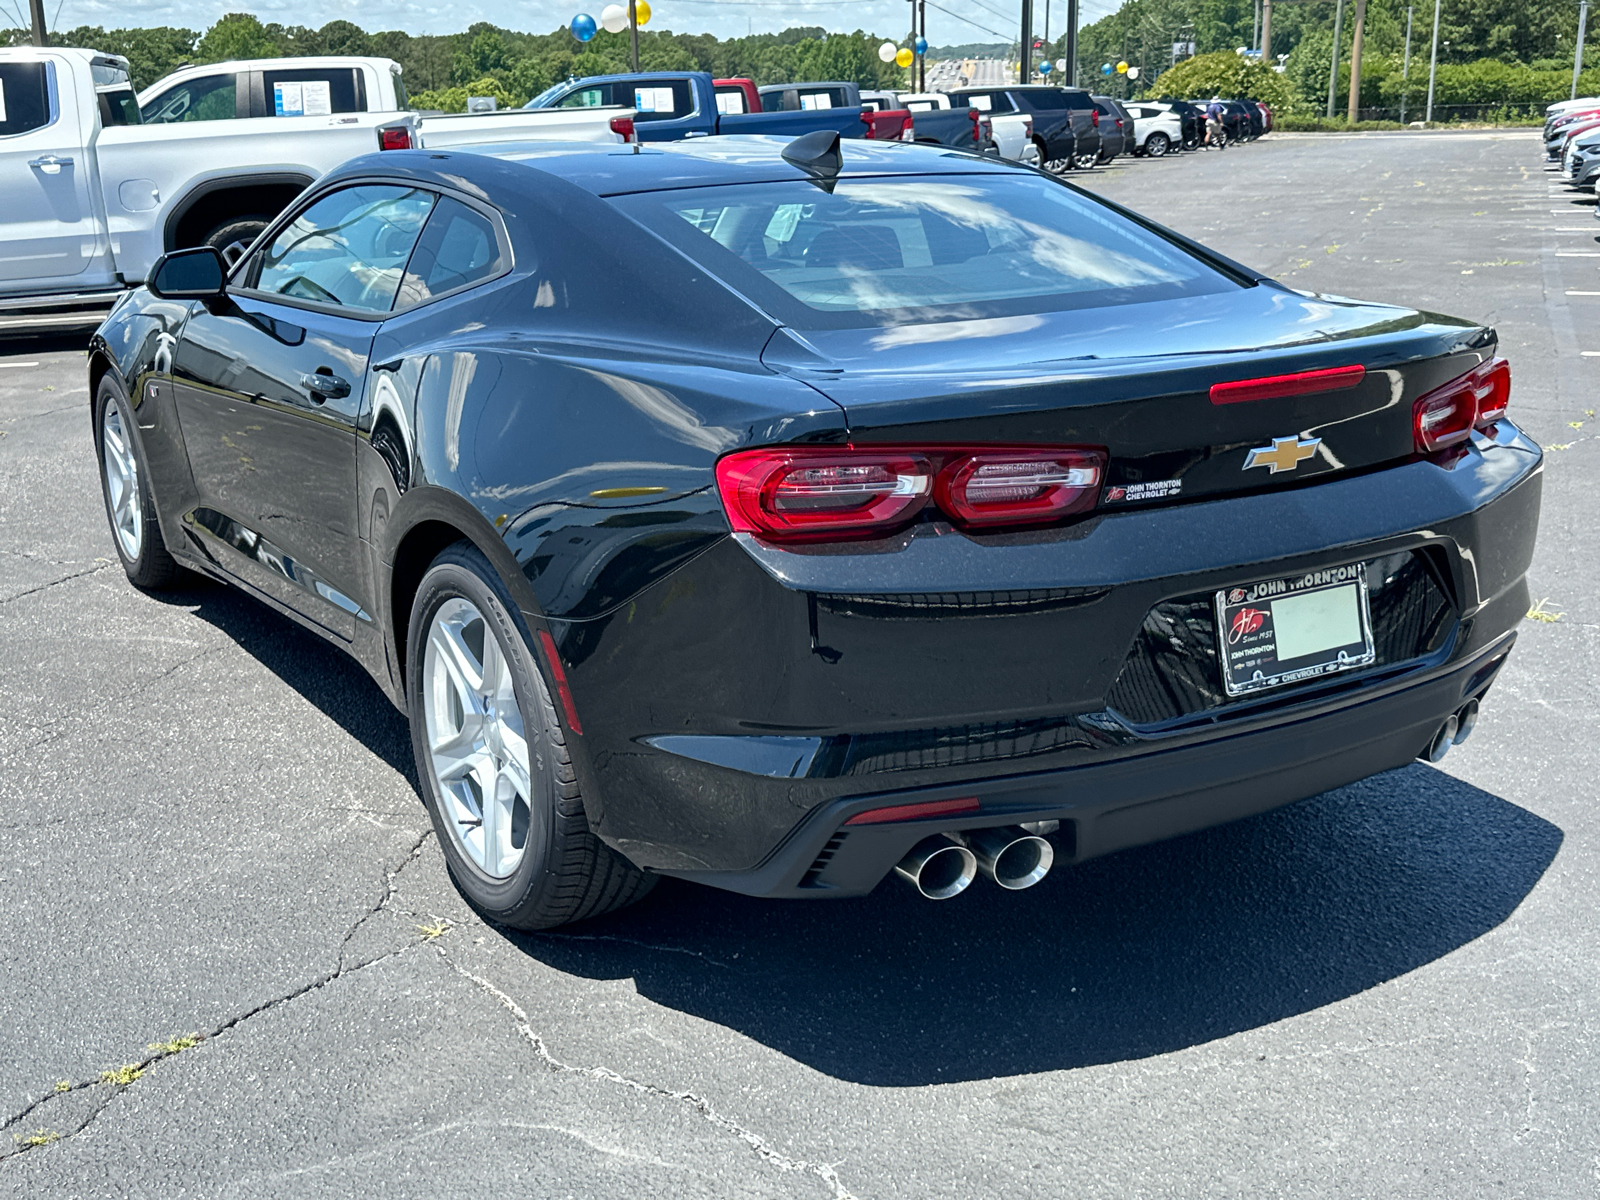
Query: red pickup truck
[[735, 96]]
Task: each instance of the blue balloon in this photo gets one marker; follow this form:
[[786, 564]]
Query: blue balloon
[[922, 45], [1044, 68], [583, 27], [1106, 70]]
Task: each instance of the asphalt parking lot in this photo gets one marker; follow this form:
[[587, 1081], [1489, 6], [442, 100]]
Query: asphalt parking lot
[[210, 831]]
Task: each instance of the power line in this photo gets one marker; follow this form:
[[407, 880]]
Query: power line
[[1006, 36]]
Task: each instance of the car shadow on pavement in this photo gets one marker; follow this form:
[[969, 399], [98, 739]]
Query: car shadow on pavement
[[1141, 953], [332, 681]]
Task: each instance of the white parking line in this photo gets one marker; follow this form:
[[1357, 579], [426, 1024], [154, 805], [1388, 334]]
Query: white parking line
[[1578, 253], [1590, 353], [4, 365], [1570, 292]]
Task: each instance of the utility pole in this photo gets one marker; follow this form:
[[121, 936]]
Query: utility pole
[[1405, 71], [36, 8], [1355, 61], [1433, 63], [633, 31], [1255, 25], [1333, 72], [922, 59], [1577, 54], [1266, 32], [1070, 50], [1026, 61]]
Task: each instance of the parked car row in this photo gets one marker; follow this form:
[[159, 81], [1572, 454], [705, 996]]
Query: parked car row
[[1572, 138]]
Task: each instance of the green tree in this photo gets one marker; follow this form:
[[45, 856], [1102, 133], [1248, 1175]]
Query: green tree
[[237, 35], [1228, 75]]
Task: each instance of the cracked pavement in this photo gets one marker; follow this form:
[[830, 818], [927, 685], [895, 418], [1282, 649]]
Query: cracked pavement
[[209, 830]]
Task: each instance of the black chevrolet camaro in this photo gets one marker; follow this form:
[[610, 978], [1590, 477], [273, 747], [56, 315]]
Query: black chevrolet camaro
[[782, 517]]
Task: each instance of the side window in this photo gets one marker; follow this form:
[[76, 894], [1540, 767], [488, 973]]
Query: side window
[[401, 100], [348, 249], [458, 248], [24, 97], [730, 101], [313, 92], [663, 101], [208, 98], [589, 97], [982, 101]]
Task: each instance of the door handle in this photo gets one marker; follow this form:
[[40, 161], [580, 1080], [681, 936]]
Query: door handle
[[50, 164], [325, 385]]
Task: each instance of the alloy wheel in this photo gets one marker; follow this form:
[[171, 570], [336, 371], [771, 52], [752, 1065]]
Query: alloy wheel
[[1058, 166], [1085, 162], [1156, 145], [477, 745], [122, 482]]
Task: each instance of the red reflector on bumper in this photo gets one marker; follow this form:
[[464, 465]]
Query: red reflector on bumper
[[1333, 379], [913, 812]]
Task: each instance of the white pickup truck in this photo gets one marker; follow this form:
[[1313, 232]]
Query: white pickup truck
[[1013, 132], [93, 194]]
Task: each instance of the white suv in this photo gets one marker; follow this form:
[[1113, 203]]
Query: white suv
[[1156, 129]]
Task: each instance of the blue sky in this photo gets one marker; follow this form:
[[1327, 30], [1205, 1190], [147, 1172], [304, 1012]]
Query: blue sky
[[724, 18]]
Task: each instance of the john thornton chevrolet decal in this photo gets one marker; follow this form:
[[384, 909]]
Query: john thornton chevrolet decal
[[1285, 454]]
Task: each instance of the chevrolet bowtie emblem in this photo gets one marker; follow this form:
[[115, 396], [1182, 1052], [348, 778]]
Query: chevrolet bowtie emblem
[[1285, 454]]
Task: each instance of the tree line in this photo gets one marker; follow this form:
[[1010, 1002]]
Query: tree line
[[440, 71]]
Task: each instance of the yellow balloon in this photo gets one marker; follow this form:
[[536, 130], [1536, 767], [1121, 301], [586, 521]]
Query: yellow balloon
[[641, 12], [903, 59], [1122, 68]]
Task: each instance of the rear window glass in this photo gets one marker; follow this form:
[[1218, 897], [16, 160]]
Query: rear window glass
[[313, 91], [886, 250], [207, 98], [658, 101], [24, 97], [1043, 101], [458, 248]]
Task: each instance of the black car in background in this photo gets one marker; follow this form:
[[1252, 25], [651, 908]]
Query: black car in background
[[1192, 117], [782, 517], [1251, 111], [1116, 128], [1066, 121]]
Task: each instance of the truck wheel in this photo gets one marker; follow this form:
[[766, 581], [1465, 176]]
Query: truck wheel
[[233, 237], [1086, 162], [1156, 145]]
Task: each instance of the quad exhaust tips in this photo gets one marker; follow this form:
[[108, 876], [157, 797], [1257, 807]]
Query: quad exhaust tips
[[938, 868], [945, 865]]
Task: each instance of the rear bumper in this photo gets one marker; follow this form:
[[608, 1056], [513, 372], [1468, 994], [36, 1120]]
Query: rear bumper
[[1134, 801], [739, 709]]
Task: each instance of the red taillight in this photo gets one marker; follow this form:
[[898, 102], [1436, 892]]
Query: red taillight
[[394, 138], [622, 127], [915, 812], [1014, 487], [795, 494], [1447, 415], [832, 493], [1303, 383], [1096, 118]]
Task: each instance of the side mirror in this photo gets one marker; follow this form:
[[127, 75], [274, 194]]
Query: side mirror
[[196, 274]]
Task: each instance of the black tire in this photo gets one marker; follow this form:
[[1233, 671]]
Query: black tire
[[1157, 145], [566, 873], [152, 568], [233, 237]]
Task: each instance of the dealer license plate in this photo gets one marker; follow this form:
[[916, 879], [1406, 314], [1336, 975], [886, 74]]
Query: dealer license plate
[[1282, 631]]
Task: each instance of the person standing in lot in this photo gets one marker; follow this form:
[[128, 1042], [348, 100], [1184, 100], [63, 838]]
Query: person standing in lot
[[1214, 135]]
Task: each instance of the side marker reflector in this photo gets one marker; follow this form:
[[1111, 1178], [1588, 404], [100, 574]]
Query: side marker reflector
[[915, 812]]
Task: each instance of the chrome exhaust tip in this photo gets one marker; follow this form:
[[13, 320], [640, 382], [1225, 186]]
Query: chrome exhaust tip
[[1010, 855], [1443, 740], [1466, 721], [938, 868]]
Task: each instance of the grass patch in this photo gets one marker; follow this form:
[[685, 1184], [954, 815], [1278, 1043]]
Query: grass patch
[[122, 1076], [1540, 613]]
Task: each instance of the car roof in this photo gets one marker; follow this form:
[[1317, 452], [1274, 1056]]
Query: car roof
[[612, 169]]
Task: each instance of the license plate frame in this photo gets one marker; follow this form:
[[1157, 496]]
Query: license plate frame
[[1315, 607]]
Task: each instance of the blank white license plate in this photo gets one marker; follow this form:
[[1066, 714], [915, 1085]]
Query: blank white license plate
[[1281, 631]]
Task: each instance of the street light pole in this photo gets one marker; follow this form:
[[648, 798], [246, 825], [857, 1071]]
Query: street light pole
[[36, 9], [1070, 50], [1405, 71], [1433, 63], [1577, 55], [1333, 72], [633, 31], [1025, 63]]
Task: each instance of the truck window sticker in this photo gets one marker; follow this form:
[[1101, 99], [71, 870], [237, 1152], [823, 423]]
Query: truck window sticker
[[816, 100], [654, 100], [310, 98], [982, 102]]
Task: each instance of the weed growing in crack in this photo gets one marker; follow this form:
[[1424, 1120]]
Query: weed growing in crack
[[437, 930], [1539, 613], [177, 1044], [34, 1140], [122, 1076], [63, 1085]]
